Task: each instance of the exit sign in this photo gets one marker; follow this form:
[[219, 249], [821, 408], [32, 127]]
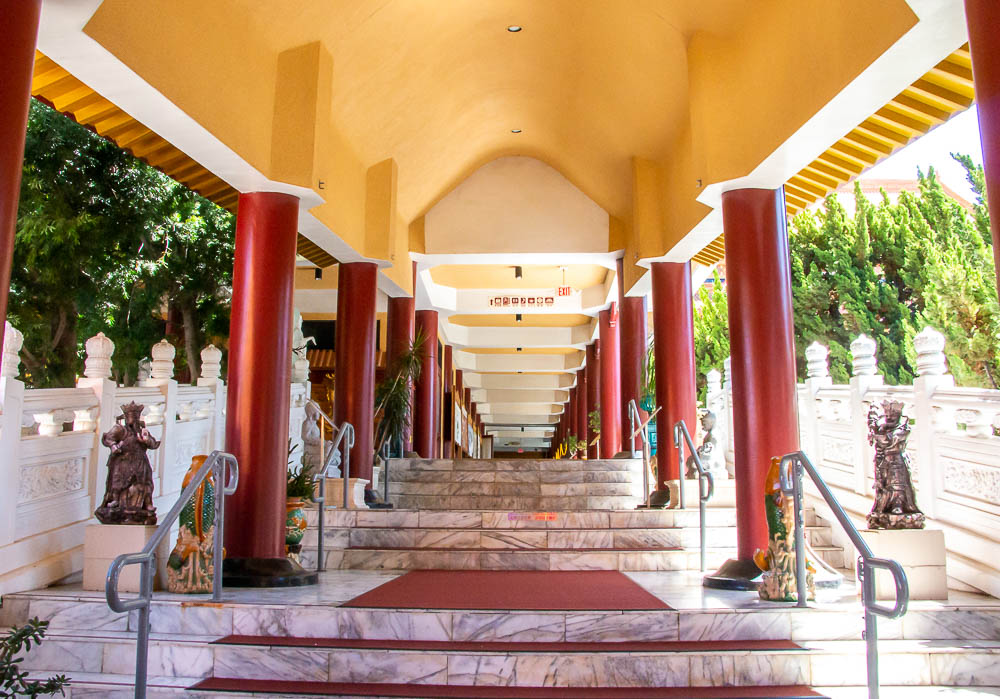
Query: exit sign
[[564, 291]]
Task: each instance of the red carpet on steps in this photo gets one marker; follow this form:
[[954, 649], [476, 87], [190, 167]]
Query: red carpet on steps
[[572, 590], [440, 691]]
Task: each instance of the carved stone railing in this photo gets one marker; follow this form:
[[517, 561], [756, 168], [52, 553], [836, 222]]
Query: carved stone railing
[[954, 447], [54, 465]]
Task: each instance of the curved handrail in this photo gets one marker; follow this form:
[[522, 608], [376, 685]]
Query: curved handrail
[[704, 477], [218, 464], [643, 432], [791, 467], [344, 434]]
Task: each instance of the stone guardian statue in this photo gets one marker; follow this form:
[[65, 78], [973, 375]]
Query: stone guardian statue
[[895, 503], [128, 495]]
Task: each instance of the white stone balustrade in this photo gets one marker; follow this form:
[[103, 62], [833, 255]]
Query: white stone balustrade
[[954, 448], [53, 477]]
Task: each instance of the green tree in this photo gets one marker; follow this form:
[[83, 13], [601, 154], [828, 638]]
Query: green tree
[[107, 243], [711, 330]]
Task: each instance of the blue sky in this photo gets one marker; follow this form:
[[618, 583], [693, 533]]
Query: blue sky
[[960, 135]]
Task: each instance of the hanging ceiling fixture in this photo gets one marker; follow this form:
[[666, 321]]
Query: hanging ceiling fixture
[[514, 28], [517, 317], [517, 271]]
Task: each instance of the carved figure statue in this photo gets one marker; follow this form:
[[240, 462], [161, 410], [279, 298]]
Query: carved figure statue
[[128, 494], [778, 562], [311, 444], [191, 565], [709, 452], [895, 503]]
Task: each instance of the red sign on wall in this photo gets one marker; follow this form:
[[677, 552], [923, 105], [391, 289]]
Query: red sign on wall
[[564, 291]]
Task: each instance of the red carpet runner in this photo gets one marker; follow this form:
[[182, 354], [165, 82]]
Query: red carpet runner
[[539, 590]]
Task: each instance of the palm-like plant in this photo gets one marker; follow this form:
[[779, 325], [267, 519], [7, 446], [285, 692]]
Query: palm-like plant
[[392, 394]]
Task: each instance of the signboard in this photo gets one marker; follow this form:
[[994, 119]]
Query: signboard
[[561, 300]]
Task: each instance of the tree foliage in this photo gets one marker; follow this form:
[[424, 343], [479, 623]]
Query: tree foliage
[[107, 243], [887, 271]]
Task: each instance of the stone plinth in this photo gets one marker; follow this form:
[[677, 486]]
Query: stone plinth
[[724, 495], [102, 543], [921, 552], [335, 493]]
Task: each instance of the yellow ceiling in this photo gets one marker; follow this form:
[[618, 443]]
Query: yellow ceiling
[[532, 276], [525, 350], [940, 94], [529, 320]]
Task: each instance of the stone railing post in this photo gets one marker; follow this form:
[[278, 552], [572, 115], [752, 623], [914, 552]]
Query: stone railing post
[[817, 377], [864, 377], [162, 376], [932, 374], [727, 389], [11, 405], [211, 372], [97, 377]]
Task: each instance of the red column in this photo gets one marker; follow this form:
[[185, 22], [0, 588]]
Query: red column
[[983, 18], [581, 408], [569, 412], [424, 408], [17, 56], [258, 395], [611, 399], [354, 397], [633, 356], [399, 334], [593, 370], [673, 345], [446, 425], [762, 342]]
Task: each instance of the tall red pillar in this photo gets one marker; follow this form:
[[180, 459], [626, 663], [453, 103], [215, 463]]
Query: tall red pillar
[[399, 335], [260, 339], [424, 405], [983, 18], [611, 397], [448, 418], [582, 431], [593, 370], [633, 355], [17, 56], [569, 410], [354, 397], [673, 346], [762, 343]]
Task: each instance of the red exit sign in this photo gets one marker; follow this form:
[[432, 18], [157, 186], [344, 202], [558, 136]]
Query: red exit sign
[[564, 291]]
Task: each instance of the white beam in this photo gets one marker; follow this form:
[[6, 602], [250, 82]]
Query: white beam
[[528, 363], [519, 382], [500, 395]]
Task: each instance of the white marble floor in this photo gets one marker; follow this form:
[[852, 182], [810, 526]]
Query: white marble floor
[[682, 590]]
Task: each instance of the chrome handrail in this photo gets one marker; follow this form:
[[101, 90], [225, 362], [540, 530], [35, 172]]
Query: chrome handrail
[[642, 431], [791, 469], [704, 477], [330, 463], [217, 464]]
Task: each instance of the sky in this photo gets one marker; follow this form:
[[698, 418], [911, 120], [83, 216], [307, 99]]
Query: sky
[[959, 134]]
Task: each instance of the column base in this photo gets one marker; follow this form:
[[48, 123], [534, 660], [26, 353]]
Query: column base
[[266, 572], [735, 574], [659, 499], [373, 501]]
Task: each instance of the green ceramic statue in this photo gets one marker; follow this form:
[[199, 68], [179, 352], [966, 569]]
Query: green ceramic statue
[[192, 562]]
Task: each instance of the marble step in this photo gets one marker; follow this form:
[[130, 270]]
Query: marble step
[[82, 612], [519, 465], [525, 519], [575, 476], [521, 489], [503, 663], [513, 559], [521, 539], [577, 503]]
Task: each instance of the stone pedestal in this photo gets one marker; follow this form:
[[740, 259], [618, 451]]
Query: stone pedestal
[[335, 493], [102, 543], [724, 495], [921, 552]]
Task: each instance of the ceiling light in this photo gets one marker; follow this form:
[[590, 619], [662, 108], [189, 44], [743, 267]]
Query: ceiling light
[[517, 317], [514, 28], [517, 272], [519, 349], [318, 274], [515, 130]]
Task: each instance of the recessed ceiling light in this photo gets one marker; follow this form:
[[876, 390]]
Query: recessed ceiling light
[[514, 28], [517, 317], [515, 130]]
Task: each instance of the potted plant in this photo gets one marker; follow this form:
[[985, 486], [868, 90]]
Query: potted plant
[[392, 395], [298, 488], [14, 682], [648, 399], [594, 422]]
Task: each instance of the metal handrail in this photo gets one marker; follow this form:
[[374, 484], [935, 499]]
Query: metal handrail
[[643, 431], [791, 468], [217, 463], [330, 463], [704, 477]]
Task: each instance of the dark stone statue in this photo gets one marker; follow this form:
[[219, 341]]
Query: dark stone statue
[[128, 495], [895, 503]]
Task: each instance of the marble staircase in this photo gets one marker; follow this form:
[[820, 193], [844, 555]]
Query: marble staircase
[[710, 642]]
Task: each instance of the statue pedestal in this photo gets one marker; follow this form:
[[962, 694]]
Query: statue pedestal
[[724, 495], [102, 543], [921, 552], [335, 493]]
